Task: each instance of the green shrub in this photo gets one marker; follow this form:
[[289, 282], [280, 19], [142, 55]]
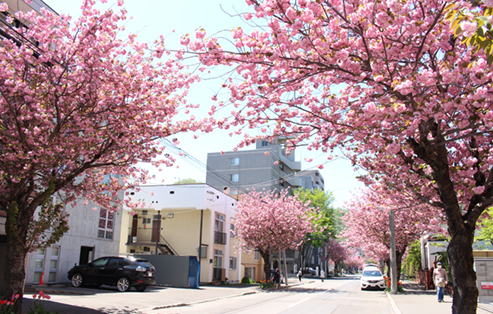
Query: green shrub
[[247, 280], [264, 284]]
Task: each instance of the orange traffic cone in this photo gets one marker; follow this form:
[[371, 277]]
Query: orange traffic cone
[[41, 282]]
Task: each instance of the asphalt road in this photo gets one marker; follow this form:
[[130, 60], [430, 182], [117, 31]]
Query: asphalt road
[[336, 296], [332, 296]]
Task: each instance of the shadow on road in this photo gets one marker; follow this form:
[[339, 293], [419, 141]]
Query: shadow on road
[[415, 288], [85, 290], [61, 308]]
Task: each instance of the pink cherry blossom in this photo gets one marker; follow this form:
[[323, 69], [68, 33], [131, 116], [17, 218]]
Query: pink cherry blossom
[[80, 110], [185, 41], [411, 104], [271, 221]]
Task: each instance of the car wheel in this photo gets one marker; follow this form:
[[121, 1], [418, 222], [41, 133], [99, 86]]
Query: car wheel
[[141, 288], [123, 284], [77, 280]]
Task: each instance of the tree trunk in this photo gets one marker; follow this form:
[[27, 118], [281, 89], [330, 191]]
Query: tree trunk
[[461, 263], [15, 271], [398, 261], [266, 256], [387, 262]]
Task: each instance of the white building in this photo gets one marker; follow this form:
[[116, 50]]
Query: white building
[[94, 232], [177, 220]]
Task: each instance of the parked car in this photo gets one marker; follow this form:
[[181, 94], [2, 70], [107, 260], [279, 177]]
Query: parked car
[[372, 278], [122, 272], [309, 271]]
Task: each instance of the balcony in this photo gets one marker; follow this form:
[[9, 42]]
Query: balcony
[[219, 237]]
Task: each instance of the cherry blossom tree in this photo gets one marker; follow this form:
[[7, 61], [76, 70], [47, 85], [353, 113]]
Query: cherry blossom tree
[[336, 252], [385, 82], [78, 103], [367, 222], [271, 221], [353, 260], [473, 25]]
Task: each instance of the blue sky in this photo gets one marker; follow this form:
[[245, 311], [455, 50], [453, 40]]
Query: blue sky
[[172, 19]]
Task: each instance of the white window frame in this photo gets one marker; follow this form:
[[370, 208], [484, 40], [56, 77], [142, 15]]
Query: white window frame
[[256, 256], [232, 262], [40, 255], [234, 161], [234, 177], [107, 218], [53, 270], [219, 222], [218, 259]]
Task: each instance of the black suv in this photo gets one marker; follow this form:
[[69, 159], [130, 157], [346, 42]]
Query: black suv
[[122, 272]]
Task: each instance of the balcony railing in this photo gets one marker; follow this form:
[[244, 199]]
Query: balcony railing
[[219, 237], [143, 235]]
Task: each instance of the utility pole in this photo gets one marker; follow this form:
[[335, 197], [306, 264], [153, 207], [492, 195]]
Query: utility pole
[[393, 257]]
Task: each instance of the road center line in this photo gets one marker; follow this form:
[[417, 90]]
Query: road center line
[[294, 304]]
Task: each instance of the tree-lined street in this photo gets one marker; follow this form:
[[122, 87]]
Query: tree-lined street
[[402, 89], [334, 296]]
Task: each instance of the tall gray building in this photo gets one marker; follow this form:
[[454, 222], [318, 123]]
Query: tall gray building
[[267, 166]]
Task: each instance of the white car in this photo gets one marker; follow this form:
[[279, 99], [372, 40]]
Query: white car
[[372, 278]]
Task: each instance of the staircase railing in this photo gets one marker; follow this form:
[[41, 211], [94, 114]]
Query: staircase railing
[[168, 245]]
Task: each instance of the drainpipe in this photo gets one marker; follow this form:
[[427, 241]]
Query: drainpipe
[[200, 239]]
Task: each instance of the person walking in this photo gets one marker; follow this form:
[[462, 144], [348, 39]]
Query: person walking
[[277, 278], [300, 274], [440, 279], [322, 275]]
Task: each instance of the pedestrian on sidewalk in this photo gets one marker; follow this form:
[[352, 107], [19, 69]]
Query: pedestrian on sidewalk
[[440, 279], [322, 275], [277, 278], [300, 274]]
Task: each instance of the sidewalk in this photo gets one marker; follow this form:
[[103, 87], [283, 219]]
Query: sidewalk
[[417, 300]]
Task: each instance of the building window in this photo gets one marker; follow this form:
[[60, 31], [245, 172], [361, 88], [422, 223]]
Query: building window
[[265, 143], [281, 182], [232, 231], [55, 253], [105, 228], [281, 167], [38, 266], [256, 257], [232, 263], [218, 258], [146, 221], [219, 223], [234, 177], [233, 191], [234, 161]]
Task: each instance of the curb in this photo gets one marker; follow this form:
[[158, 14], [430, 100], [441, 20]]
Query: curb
[[203, 301], [392, 304], [219, 298], [52, 290]]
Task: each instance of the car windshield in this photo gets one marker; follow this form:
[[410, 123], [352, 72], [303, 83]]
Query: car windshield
[[372, 273]]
